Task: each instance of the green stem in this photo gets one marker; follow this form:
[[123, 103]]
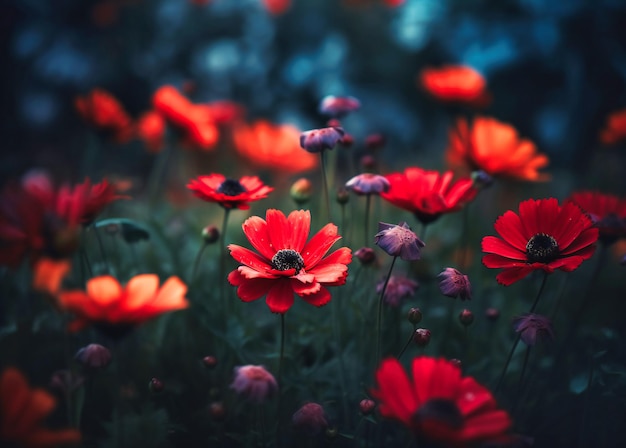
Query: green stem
[[342, 371], [408, 342], [506, 364], [368, 203], [325, 185], [196, 262], [380, 312], [222, 280], [543, 283], [282, 348]]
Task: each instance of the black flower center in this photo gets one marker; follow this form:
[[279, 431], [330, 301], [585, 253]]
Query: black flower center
[[542, 248], [439, 410], [286, 259], [231, 187]]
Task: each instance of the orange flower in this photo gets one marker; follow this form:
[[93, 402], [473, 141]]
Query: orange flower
[[273, 147], [151, 129], [116, 309], [455, 83], [100, 109], [21, 411], [48, 275], [615, 128], [495, 148], [194, 120]]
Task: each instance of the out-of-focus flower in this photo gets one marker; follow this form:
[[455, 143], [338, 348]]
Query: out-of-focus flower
[[607, 211], [455, 84], [496, 148], [398, 288], [93, 356], [342, 197], [310, 419], [155, 385], [66, 381], [104, 112], [428, 194], [492, 314], [22, 411], [368, 183], [286, 264], [194, 121], [614, 130], [254, 383], [224, 112], [544, 235], [421, 337], [318, 140], [276, 7], [339, 106], [454, 283], [388, 3], [301, 191], [365, 255], [399, 241], [209, 362], [151, 130], [439, 405], [533, 328], [375, 142], [273, 147], [414, 316], [367, 406], [116, 309], [48, 274], [466, 317], [227, 192]]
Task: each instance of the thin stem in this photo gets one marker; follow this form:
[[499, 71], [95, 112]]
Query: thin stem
[[196, 262], [342, 368], [325, 185], [508, 361], [368, 204], [282, 348], [423, 233], [408, 342], [222, 280], [521, 376], [380, 312], [543, 283]]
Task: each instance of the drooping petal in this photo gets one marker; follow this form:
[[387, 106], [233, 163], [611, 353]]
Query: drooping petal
[[319, 298], [305, 289], [250, 273], [511, 275], [330, 273], [254, 289], [280, 296]]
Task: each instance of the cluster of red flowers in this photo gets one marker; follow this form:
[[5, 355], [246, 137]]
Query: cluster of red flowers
[[103, 111]]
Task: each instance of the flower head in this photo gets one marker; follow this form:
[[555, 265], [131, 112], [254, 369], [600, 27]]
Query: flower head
[[398, 288], [368, 183], [254, 383], [495, 148], [22, 410], [533, 328], [455, 84], [339, 106], [272, 147], [93, 356], [286, 264], [310, 418], [544, 235], [607, 211], [103, 111], [227, 192], [439, 405], [301, 191], [428, 194], [151, 128], [115, 309], [614, 130], [318, 140], [455, 284], [399, 241]]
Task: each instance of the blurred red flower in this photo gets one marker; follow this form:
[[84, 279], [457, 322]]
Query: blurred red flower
[[455, 84], [276, 7], [273, 147], [544, 235], [151, 128], [194, 121], [286, 264], [116, 309], [229, 193], [614, 130], [22, 410], [388, 3], [428, 194], [100, 109], [607, 211], [439, 405], [495, 148]]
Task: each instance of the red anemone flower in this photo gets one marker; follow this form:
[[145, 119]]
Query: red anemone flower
[[229, 193], [544, 235], [439, 405], [455, 83], [286, 263], [428, 194], [116, 309], [607, 211]]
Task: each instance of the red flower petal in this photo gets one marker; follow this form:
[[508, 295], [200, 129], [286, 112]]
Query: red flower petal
[[434, 378], [280, 296], [498, 261], [330, 274], [319, 298], [395, 392], [254, 289], [494, 245], [485, 426], [572, 222], [250, 273], [305, 289], [300, 223], [474, 399], [585, 240], [278, 229], [510, 276], [255, 229], [317, 246], [249, 258], [510, 228]]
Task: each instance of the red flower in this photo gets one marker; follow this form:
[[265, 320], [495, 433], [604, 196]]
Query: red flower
[[276, 7], [229, 193], [614, 130], [115, 309], [22, 410], [428, 194], [455, 83], [543, 236], [607, 211], [151, 130], [286, 262], [100, 109], [438, 404]]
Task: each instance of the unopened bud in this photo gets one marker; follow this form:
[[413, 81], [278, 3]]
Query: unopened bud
[[421, 337], [331, 433], [301, 191], [209, 361], [93, 356], [342, 196], [217, 411], [368, 162], [347, 140], [415, 316], [481, 179], [456, 362], [367, 406], [492, 314], [365, 255], [466, 317], [210, 234], [156, 385], [375, 141]]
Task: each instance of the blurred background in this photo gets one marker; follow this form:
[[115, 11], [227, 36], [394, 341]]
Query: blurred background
[[555, 69]]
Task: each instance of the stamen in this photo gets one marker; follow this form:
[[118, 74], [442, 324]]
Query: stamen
[[286, 259], [231, 187], [542, 248]]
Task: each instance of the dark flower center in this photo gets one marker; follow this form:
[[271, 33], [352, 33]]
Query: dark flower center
[[542, 248], [439, 410], [231, 187], [286, 259]]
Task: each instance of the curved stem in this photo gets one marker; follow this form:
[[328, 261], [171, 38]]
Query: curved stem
[[508, 361], [325, 185], [380, 312], [408, 342], [196, 262], [543, 283]]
